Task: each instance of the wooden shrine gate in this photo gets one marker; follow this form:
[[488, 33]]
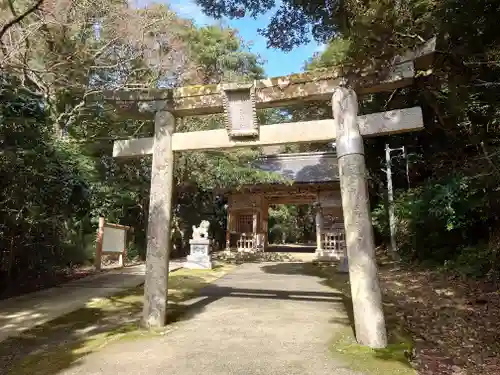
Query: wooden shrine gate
[[239, 103], [247, 228], [313, 179]]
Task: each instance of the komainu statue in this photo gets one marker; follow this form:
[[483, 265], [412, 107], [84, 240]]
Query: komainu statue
[[201, 231]]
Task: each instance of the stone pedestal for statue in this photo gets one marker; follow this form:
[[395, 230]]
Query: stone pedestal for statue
[[199, 255], [200, 248], [323, 255]]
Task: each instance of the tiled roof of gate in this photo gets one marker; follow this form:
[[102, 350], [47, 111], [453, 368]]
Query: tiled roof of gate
[[310, 167]]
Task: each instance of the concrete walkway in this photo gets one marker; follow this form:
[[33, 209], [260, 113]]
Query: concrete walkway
[[21, 313], [270, 319]]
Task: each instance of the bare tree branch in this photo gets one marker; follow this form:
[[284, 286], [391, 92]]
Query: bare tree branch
[[19, 18]]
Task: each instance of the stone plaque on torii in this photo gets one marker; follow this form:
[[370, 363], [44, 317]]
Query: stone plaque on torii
[[239, 103]]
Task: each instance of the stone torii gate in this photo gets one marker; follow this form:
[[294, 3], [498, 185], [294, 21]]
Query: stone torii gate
[[239, 103]]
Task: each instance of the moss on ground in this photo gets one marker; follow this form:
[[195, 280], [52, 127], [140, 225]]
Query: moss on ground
[[392, 360], [60, 343], [388, 361]]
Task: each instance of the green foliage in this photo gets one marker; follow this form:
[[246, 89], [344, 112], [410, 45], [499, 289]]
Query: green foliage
[[291, 223], [437, 220], [44, 196], [219, 53], [57, 145], [335, 54], [282, 223], [473, 261]]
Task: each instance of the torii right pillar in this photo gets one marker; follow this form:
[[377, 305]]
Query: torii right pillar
[[365, 289]]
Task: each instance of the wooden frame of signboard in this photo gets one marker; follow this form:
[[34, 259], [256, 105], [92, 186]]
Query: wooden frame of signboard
[[111, 239]]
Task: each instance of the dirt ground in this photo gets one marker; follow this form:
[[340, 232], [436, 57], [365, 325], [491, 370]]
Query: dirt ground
[[46, 280], [55, 277], [455, 323]]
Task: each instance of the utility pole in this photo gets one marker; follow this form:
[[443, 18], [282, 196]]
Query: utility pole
[[390, 193]]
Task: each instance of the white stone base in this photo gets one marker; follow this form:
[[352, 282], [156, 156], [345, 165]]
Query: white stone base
[[199, 257], [252, 250], [198, 262], [327, 255]]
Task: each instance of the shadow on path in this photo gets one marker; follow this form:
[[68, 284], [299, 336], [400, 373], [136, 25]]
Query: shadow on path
[[288, 248], [333, 279], [213, 293], [398, 339]]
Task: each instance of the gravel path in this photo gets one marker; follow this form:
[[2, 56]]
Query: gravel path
[[260, 319]]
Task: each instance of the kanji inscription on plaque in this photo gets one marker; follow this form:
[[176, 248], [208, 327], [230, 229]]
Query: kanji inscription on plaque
[[239, 108]]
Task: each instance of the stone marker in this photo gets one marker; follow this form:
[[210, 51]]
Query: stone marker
[[200, 248]]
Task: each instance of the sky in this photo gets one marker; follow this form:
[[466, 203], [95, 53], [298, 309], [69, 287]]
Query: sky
[[276, 62]]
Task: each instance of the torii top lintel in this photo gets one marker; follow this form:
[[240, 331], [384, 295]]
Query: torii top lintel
[[277, 91]]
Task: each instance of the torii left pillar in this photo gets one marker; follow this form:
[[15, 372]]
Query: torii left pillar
[[159, 223]]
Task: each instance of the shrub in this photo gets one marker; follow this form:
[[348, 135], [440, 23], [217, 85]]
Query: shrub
[[436, 220]]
